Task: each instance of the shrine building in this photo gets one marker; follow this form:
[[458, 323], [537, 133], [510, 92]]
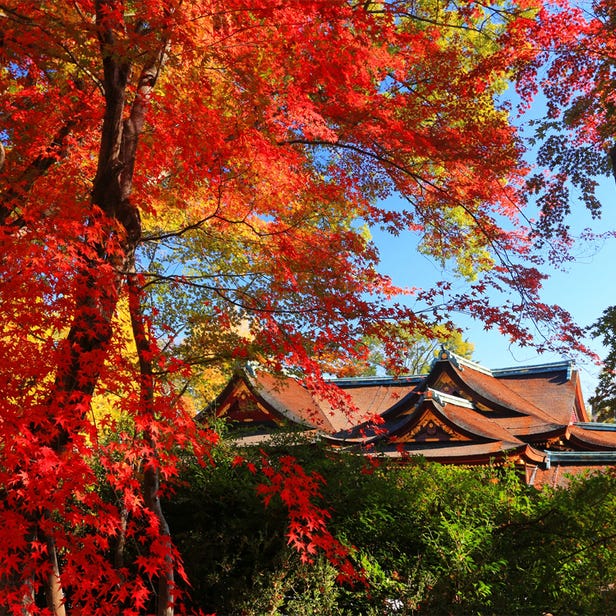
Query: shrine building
[[459, 413]]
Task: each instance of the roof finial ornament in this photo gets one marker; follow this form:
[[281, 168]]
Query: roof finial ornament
[[444, 354]]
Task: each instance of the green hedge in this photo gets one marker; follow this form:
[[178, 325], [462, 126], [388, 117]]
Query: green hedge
[[429, 539]]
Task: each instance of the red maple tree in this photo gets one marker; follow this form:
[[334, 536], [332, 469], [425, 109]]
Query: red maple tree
[[233, 150], [574, 50]]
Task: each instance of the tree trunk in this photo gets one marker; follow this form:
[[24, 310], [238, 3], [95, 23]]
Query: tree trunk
[[55, 594], [103, 263], [102, 276], [151, 478]]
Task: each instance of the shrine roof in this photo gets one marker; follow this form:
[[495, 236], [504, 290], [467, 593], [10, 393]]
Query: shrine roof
[[376, 396], [460, 414], [512, 407], [593, 436], [460, 453], [577, 458], [555, 388], [289, 397], [484, 384], [529, 427]]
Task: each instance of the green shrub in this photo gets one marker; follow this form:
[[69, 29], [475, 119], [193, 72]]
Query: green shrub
[[428, 539]]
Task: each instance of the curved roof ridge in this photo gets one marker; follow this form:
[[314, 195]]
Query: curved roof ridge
[[351, 381], [515, 401], [535, 369], [257, 382], [457, 413], [460, 362], [596, 425]]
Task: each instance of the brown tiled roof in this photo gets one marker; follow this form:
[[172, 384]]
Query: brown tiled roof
[[484, 413], [499, 393], [377, 399], [294, 402], [514, 412], [594, 440], [530, 428], [466, 420], [472, 453], [556, 392]]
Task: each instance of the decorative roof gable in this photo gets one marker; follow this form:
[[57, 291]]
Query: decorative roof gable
[[256, 397], [239, 404], [460, 412]]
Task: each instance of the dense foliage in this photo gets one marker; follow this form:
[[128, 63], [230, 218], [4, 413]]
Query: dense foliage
[[192, 182], [603, 401], [427, 539], [576, 136]]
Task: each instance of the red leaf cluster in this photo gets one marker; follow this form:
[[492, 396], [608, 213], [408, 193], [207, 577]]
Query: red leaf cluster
[[233, 154]]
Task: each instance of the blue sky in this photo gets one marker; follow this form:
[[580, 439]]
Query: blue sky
[[585, 289]]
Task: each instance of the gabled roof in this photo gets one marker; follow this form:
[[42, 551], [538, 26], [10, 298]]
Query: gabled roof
[[444, 428], [261, 399], [506, 405], [378, 395], [451, 418], [461, 411], [555, 388]]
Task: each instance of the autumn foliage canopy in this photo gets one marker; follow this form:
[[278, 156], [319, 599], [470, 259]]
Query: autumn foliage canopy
[[185, 183]]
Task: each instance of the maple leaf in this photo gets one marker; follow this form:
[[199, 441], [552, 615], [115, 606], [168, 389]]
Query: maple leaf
[[185, 191]]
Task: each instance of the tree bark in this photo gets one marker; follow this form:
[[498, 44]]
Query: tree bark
[[151, 478], [104, 267], [55, 594]]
